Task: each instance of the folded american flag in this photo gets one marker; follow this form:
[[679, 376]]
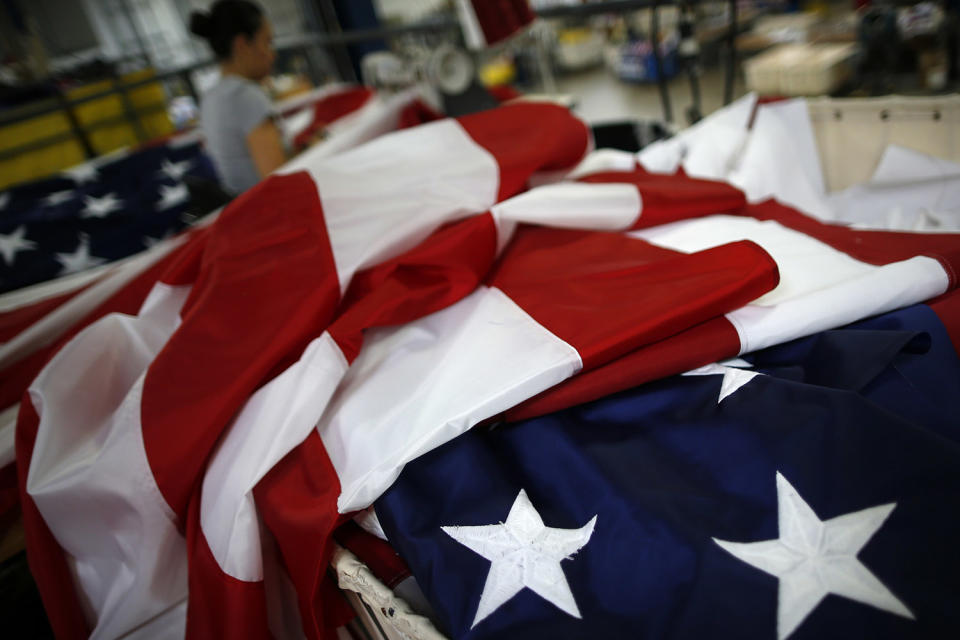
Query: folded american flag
[[184, 463], [96, 212]]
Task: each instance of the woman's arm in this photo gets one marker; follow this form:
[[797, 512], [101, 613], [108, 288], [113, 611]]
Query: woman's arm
[[266, 147]]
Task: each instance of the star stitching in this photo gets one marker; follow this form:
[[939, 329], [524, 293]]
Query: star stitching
[[175, 170], [813, 558], [523, 552], [171, 196], [13, 243], [733, 377], [79, 260], [101, 207], [82, 173]]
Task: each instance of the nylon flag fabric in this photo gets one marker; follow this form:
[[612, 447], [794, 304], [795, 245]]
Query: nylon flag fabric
[[840, 285], [96, 213], [236, 307], [28, 325], [804, 491], [183, 466], [819, 286], [34, 319]]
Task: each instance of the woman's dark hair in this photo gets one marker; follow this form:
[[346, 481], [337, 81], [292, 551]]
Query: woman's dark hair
[[225, 20]]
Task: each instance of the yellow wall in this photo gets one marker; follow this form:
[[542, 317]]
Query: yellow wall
[[49, 160]]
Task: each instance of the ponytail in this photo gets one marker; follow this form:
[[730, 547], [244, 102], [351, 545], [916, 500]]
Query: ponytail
[[225, 20]]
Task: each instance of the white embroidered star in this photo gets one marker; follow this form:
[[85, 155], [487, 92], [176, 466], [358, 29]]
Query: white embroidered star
[[733, 377], [58, 197], [80, 259], [82, 173], [13, 243], [813, 558], [4, 200], [172, 196], [523, 553], [101, 207], [175, 170], [149, 241]]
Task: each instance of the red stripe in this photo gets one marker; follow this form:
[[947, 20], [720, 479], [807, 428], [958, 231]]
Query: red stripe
[[504, 93], [14, 321], [677, 197], [416, 113], [9, 495], [607, 294], [873, 247], [47, 562], [442, 269], [219, 605], [265, 285], [701, 345], [298, 503], [526, 138]]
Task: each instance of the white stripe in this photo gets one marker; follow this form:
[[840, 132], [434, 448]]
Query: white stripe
[[820, 287], [369, 522], [89, 474], [295, 124], [883, 289], [170, 624], [505, 231], [272, 422], [602, 161], [386, 196], [52, 288], [575, 205], [8, 432], [708, 149], [416, 387]]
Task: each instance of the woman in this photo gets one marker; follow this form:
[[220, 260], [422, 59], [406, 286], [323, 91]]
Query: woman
[[236, 115]]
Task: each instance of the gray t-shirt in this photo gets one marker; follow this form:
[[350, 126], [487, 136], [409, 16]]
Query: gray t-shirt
[[228, 112]]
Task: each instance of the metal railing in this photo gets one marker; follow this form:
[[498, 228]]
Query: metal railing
[[78, 131], [300, 44]]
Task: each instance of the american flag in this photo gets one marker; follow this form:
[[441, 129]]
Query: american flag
[[194, 440], [97, 212]]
